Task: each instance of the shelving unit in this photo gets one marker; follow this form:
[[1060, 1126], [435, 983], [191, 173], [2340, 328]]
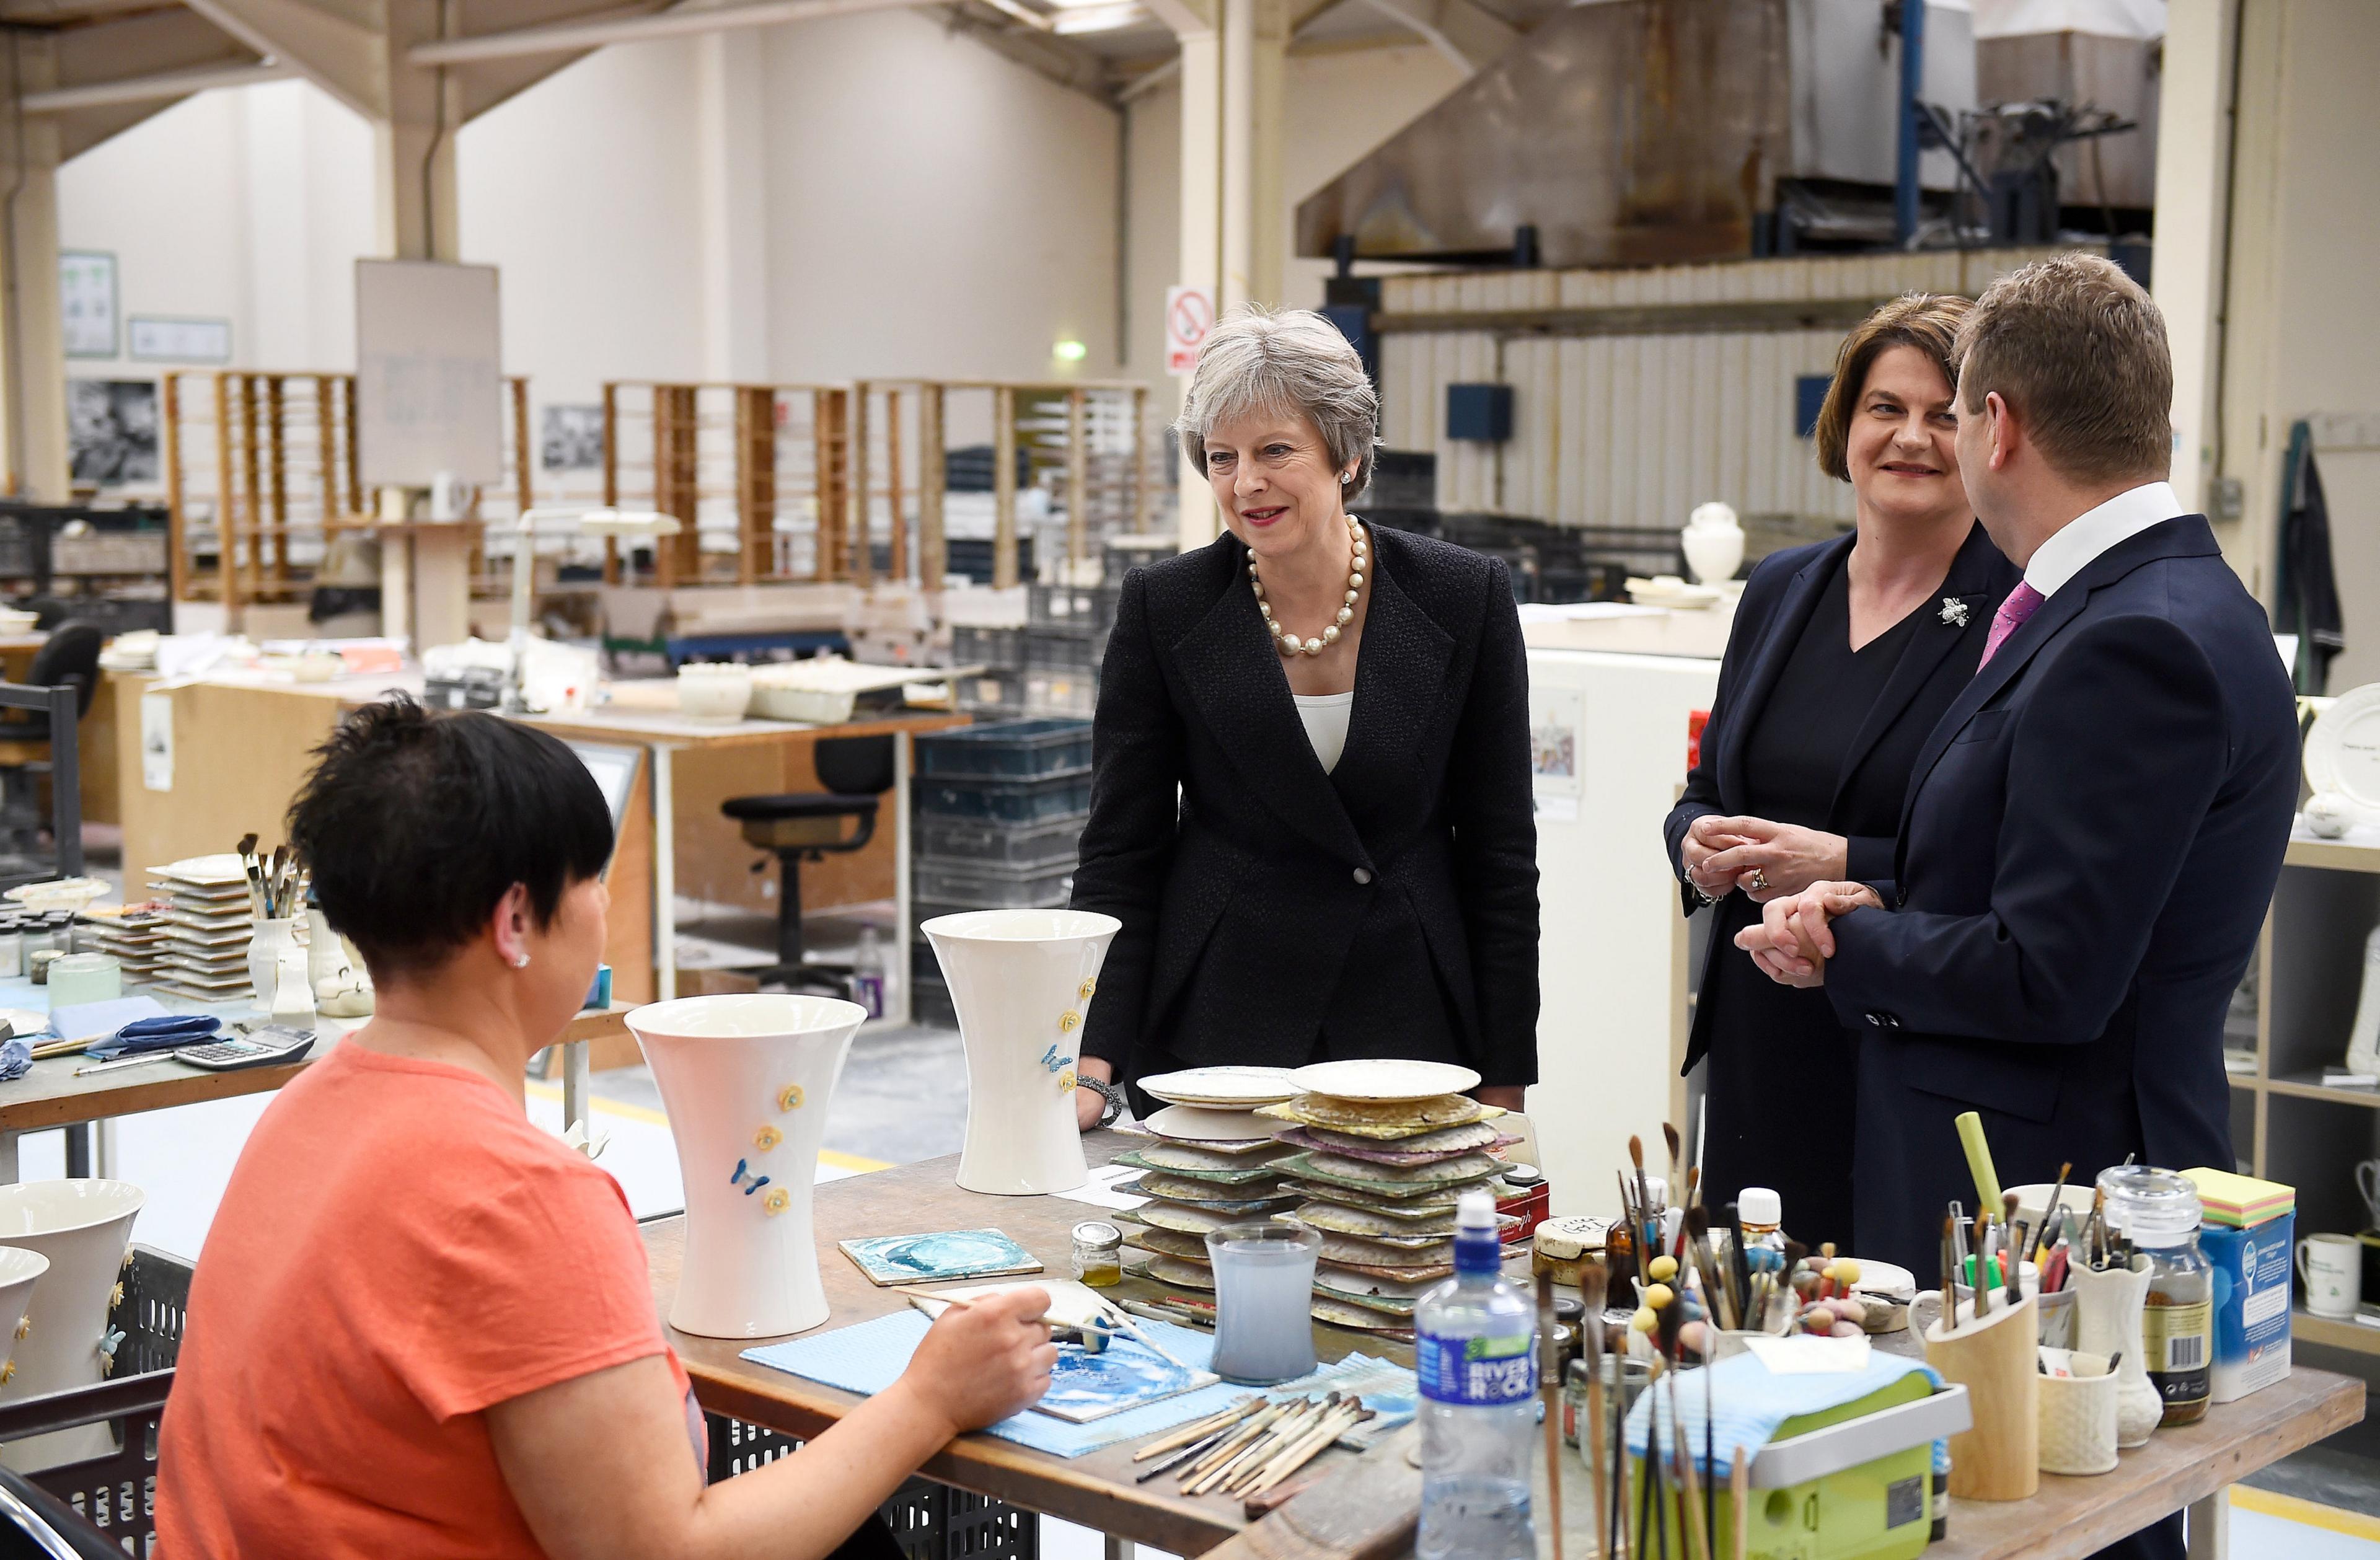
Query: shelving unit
[[2307, 976]]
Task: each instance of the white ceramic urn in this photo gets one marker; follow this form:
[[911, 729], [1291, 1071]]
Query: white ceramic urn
[[83, 1229], [746, 1081], [2108, 1308], [1713, 543], [1021, 982]]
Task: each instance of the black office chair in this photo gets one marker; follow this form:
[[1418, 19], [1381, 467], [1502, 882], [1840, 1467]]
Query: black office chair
[[808, 826], [70, 659]]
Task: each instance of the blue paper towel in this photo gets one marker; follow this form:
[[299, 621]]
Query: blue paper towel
[[867, 1356]]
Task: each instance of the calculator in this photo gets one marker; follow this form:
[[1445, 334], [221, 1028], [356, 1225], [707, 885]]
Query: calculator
[[266, 1046]]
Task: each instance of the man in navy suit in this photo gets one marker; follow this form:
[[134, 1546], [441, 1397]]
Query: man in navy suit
[[2093, 831]]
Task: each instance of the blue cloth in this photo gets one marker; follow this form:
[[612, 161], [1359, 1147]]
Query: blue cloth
[[15, 1058], [1749, 1402], [869, 1357], [165, 1032]]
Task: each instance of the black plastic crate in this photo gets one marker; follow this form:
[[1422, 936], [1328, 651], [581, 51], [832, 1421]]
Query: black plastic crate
[[1005, 801], [960, 841], [1085, 608], [116, 1495], [993, 888], [929, 1521], [929, 998], [1006, 750], [998, 649], [1064, 650]]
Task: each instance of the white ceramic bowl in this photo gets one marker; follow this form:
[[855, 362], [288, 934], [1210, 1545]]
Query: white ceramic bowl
[[13, 621], [714, 690]]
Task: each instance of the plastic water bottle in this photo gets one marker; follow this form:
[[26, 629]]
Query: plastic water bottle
[[867, 973], [1475, 1351]]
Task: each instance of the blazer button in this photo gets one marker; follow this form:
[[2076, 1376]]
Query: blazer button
[[1362, 875], [1877, 1021]]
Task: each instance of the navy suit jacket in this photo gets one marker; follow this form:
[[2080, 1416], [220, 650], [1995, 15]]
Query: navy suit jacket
[[2091, 838]]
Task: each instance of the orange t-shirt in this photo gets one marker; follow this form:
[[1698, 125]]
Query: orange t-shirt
[[399, 1249]]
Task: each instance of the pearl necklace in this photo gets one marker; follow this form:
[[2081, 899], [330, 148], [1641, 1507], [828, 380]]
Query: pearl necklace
[[1289, 643]]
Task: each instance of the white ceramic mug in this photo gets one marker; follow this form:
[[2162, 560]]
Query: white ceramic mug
[[2367, 1182], [2332, 1266]]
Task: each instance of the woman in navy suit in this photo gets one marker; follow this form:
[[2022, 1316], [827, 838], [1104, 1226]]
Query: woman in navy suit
[[1843, 655]]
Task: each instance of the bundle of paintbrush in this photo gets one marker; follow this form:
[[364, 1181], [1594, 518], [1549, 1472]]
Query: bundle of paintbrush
[[275, 887], [1253, 1445], [1207, 1169], [1379, 1179]]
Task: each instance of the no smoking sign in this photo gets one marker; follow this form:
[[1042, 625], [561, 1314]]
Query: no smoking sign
[[1189, 315]]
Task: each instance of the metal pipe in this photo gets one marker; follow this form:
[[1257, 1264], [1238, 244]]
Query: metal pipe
[[568, 37], [150, 89], [1905, 192]]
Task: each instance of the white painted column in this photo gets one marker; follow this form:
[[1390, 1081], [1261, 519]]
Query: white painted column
[[32, 343], [731, 149], [1201, 261], [1256, 42], [413, 143], [2194, 112]]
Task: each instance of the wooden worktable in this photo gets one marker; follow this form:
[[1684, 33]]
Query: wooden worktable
[[51, 1095], [1095, 1491], [1369, 1512]]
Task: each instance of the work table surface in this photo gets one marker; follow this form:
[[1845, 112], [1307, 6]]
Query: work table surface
[[1369, 1512]]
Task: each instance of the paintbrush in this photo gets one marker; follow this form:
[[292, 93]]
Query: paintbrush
[[1675, 1143], [1720, 1309], [1198, 1430], [1198, 1448], [1950, 1273], [2056, 1206], [1550, 1387], [1691, 1518], [1289, 1427], [247, 864], [1592, 1282], [1140, 1335], [1710, 1462], [1649, 1243], [1240, 1435], [2014, 1273], [1263, 1431], [1740, 1266], [1317, 1439], [1739, 1490], [1983, 1284]]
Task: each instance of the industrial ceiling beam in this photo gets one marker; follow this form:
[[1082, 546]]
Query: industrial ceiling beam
[[151, 89], [680, 23]]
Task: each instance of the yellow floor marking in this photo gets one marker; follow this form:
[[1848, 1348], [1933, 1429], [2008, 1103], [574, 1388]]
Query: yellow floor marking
[[2313, 1513], [653, 1118]]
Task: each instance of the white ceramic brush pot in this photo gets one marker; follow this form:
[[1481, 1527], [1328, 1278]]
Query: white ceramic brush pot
[[84, 1230], [746, 1081], [1021, 982], [2108, 1308]]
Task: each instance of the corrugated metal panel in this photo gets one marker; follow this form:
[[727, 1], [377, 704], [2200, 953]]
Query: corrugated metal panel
[[1637, 429]]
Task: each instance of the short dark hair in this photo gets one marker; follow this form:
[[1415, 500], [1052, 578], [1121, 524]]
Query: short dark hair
[[1928, 321], [2079, 349], [415, 825]]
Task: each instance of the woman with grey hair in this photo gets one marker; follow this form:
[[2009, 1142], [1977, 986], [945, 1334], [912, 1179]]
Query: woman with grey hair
[[1310, 804]]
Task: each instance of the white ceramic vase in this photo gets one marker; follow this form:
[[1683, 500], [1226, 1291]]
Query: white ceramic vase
[[266, 944], [1020, 981], [746, 1081], [2108, 1320], [1713, 543], [83, 1228]]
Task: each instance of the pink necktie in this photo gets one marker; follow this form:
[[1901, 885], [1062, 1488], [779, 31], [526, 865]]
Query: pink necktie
[[2019, 606]]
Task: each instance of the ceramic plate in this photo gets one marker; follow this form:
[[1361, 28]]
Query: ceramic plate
[[1386, 1080], [1223, 1088], [2342, 751], [1188, 1124], [204, 869]]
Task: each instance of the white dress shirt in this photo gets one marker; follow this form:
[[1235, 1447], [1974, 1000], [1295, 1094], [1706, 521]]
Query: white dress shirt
[[2092, 533], [1325, 715]]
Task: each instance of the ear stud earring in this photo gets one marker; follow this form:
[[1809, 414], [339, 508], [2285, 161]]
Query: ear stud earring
[[520, 961]]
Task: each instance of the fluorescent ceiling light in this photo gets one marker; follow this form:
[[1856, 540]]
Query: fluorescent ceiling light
[[1072, 351], [1100, 16]]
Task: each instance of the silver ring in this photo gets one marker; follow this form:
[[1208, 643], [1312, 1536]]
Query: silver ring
[[1757, 879]]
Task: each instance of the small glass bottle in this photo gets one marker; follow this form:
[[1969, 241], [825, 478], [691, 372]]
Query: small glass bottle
[[2158, 1212], [1099, 1254], [867, 973]]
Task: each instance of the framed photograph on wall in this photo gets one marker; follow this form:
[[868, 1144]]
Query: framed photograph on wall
[[156, 338], [571, 439], [112, 431], [87, 301]]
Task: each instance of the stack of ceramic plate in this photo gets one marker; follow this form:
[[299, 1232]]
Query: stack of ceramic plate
[[1385, 1148], [1215, 1163], [203, 950], [133, 935]]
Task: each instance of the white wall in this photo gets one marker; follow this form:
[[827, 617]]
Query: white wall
[[1338, 106], [249, 206]]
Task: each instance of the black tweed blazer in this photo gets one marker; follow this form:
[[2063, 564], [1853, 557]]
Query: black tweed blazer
[[1274, 914]]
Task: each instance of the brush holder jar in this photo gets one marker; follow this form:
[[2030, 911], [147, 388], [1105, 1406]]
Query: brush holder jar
[[2107, 1322], [83, 1229], [1021, 982], [265, 945], [746, 1081], [1996, 1358], [2078, 1423], [1264, 1301]]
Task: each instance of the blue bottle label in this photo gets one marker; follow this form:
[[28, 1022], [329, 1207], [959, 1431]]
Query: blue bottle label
[[1478, 1371]]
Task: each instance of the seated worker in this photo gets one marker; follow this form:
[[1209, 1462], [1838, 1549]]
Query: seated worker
[[423, 1327]]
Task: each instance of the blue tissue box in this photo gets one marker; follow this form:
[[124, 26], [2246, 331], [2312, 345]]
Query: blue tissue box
[[599, 995], [2253, 1275]]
